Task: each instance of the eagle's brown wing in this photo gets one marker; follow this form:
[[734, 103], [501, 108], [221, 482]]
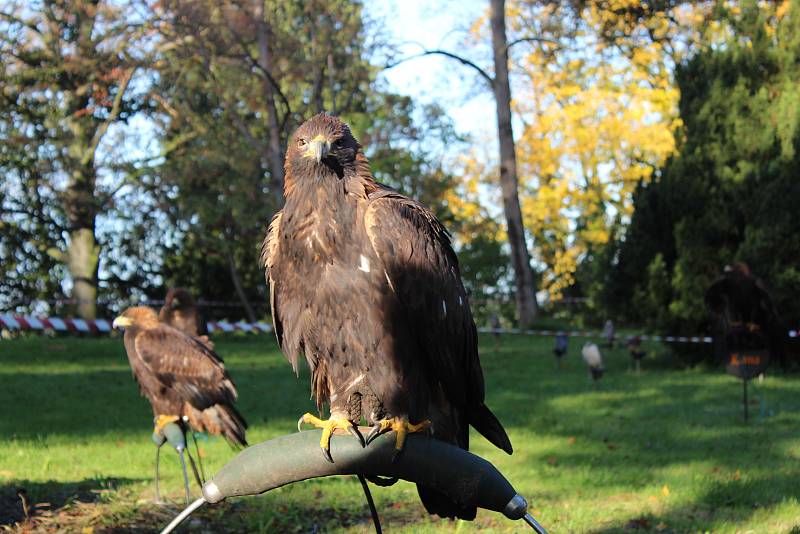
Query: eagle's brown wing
[[269, 253], [422, 269], [189, 371]]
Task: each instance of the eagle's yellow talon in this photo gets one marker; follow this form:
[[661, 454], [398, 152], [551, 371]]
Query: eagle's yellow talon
[[163, 420], [327, 429], [401, 427]]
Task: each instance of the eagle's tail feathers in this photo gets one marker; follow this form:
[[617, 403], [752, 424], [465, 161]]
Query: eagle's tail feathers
[[436, 502], [233, 425], [485, 422], [220, 420]]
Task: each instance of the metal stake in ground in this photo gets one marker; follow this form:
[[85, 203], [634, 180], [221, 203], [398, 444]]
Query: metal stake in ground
[[744, 397]]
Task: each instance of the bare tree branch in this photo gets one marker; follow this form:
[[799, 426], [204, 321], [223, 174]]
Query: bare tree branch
[[112, 116], [451, 55], [539, 40], [13, 18]]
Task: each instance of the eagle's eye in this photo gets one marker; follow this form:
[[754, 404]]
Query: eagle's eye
[[301, 142]]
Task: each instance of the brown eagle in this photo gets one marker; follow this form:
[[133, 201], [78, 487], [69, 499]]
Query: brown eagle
[[365, 283], [180, 311], [180, 376], [185, 382]]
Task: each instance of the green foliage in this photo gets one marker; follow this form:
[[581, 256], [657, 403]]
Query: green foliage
[[226, 85], [29, 221], [405, 145], [729, 195], [217, 186], [64, 82], [484, 265], [649, 300]]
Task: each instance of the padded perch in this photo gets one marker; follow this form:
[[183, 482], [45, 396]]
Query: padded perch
[[463, 476]]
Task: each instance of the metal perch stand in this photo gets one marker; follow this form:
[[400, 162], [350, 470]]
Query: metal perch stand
[[464, 477]]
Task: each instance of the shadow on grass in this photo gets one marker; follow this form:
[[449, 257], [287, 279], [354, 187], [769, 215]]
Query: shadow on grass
[[247, 516], [630, 431], [731, 501], [44, 500], [83, 404]]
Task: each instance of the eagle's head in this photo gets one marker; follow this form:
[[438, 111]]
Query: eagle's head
[[137, 316], [322, 146]]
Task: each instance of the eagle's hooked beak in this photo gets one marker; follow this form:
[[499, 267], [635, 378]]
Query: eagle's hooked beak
[[318, 148], [121, 322]]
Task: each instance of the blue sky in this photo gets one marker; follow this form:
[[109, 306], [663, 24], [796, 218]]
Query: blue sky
[[442, 25]]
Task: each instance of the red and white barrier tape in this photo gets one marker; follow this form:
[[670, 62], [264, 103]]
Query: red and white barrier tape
[[29, 322], [588, 333]]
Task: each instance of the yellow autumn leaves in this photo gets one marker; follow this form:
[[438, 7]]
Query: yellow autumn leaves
[[598, 118], [595, 114]]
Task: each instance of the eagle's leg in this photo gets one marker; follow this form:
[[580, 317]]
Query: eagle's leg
[[159, 439], [158, 454], [163, 420], [336, 421], [185, 475], [401, 427]]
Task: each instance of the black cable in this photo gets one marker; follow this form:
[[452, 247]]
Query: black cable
[[372, 510], [199, 458]]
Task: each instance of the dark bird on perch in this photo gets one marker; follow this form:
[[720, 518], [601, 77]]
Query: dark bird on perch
[[365, 283], [743, 314], [594, 360], [561, 346], [180, 311], [609, 334], [634, 344], [184, 380]]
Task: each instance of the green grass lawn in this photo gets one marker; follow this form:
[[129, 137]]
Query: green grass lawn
[[664, 451]]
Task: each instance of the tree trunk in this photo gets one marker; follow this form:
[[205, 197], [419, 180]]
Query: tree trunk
[[527, 308], [81, 210], [237, 283], [82, 259], [274, 155]]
